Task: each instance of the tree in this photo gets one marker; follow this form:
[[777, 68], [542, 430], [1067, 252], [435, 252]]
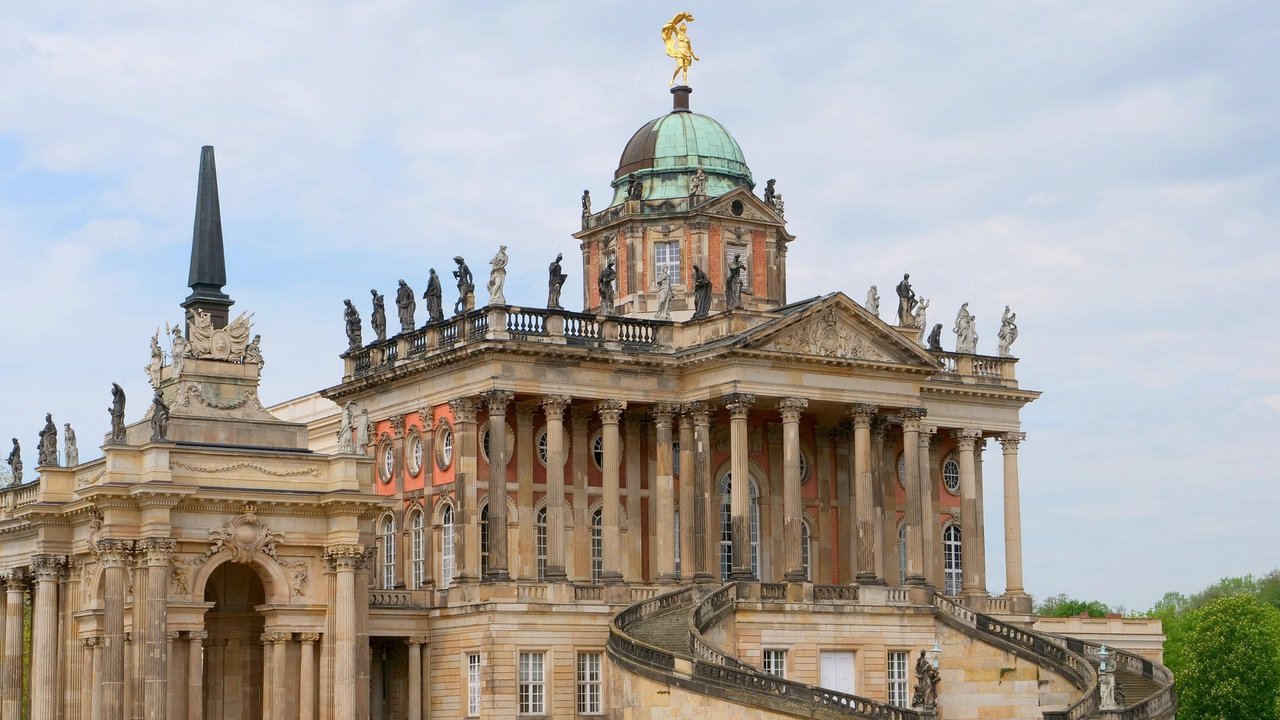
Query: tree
[[1063, 606], [1228, 665]]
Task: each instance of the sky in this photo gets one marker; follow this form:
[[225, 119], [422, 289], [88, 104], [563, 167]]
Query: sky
[[1109, 170]]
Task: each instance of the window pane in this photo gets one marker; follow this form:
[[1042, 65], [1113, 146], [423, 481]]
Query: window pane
[[473, 684], [897, 672], [775, 662], [589, 683], [597, 546], [540, 541]]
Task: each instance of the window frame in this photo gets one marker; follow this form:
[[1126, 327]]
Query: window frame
[[951, 460], [952, 559], [418, 547], [899, 686], [448, 557], [776, 657], [531, 694], [597, 545], [475, 684], [444, 445], [388, 536], [669, 246], [588, 684], [726, 525], [540, 537]]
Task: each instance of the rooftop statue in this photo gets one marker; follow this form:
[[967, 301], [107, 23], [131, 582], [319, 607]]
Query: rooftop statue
[[918, 318], [253, 352], [635, 187], [555, 281], [378, 318], [346, 430], [698, 183], [873, 301], [157, 360], [586, 204], [733, 283], [435, 298], [769, 190], [159, 418], [117, 412], [1008, 331], [605, 285], [179, 349], [966, 334], [664, 295], [935, 338], [407, 306], [47, 446], [677, 41], [71, 450], [701, 294], [498, 277], [906, 301], [351, 317], [15, 463], [466, 286], [927, 678]]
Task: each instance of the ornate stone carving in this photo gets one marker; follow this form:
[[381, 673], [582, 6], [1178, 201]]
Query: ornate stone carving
[[351, 319], [226, 343], [698, 411], [114, 552], [349, 556], [664, 296], [466, 286], [172, 635], [190, 393], [240, 465], [927, 679], [862, 414], [498, 277], [417, 640], [378, 316], [604, 284], [966, 438], [180, 574], [496, 401], [464, 409], [70, 448], [906, 301], [701, 294], [117, 414], [197, 635], [555, 277], [47, 446], [15, 463], [159, 418], [243, 536], [1008, 331], [911, 418], [435, 298], [663, 412], [611, 410], [157, 361], [45, 567], [276, 637], [156, 552], [738, 404], [790, 408], [1010, 441], [308, 637], [966, 334], [554, 405], [828, 336], [873, 301]]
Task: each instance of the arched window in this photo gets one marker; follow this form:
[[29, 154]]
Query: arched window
[[951, 476], [484, 542], [597, 545], [418, 547], [388, 535], [806, 554], [902, 552], [726, 527], [952, 560], [540, 540], [446, 546]]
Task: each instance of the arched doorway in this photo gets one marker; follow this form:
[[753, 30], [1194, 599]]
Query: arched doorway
[[233, 657]]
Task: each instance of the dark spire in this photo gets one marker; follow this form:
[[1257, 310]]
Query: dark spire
[[208, 266]]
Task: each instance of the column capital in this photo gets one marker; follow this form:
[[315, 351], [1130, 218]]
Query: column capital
[[790, 408], [197, 635], [554, 405], [89, 643], [114, 552], [911, 418], [738, 404], [349, 556], [47, 567], [496, 401], [464, 409], [926, 434], [698, 411], [663, 412], [276, 637], [611, 410], [155, 551], [1011, 440], [863, 412], [966, 438], [308, 637], [172, 635], [416, 640]]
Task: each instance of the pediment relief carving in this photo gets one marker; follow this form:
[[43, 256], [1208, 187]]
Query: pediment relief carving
[[748, 207], [830, 334]]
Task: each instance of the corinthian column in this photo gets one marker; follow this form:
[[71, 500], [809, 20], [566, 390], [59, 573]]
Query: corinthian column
[[497, 401], [610, 412], [46, 569], [156, 553], [114, 554], [466, 543], [706, 536], [415, 676], [916, 487], [739, 405], [793, 519], [345, 559], [930, 542], [973, 582], [1012, 514], [307, 675], [553, 406], [195, 674], [664, 535], [864, 495]]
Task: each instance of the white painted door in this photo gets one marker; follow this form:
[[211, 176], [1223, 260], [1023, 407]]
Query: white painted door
[[836, 671]]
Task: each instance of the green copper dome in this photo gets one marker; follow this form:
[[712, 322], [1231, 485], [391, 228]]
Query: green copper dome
[[665, 153]]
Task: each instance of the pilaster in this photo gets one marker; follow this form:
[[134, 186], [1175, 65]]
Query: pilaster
[[793, 519], [610, 412], [496, 401], [739, 405]]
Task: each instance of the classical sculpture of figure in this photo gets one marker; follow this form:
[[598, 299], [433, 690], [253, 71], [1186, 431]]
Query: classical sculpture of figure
[[918, 318], [701, 293], [555, 281], [873, 301], [778, 205], [927, 679], [253, 352], [733, 283], [769, 190], [70, 449], [364, 431], [159, 419], [935, 338], [586, 204], [352, 318], [966, 335], [635, 187], [605, 285], [15, 463], [179, 350], [47, 445], [157, 360], [906, 301], [498, 277], [664, 296], [117, 413], [1008, 331], [466, 286], [675, 37], [346, 430], [378, 318], [698, 183], [407, 305], [435, 298]]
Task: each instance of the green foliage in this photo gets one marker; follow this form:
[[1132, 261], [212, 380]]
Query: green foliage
[[1063, 606], [1227, 662]]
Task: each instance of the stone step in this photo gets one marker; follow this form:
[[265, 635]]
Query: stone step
[[668, 630], [1135, 687]]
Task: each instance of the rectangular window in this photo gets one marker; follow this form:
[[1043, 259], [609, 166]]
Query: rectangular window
[[666, 255], [676, 544], [775, 662], [533, 683], [446, 551], [589, 685], [473, 684], [743, 253], [897, 672]]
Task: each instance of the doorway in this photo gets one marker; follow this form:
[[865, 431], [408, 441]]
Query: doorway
[[233, 657]]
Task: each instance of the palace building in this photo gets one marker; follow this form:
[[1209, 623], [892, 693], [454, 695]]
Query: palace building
[[699, 497]]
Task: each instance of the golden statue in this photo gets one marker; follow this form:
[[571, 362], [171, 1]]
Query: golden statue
[[678, 47]]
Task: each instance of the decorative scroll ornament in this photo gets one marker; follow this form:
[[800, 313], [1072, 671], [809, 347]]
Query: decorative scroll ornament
[[228, 467], [191, 393], [244, 536], [227, 343], [826, 336]]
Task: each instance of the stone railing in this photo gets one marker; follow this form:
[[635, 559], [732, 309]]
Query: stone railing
[[1033, 646], [976, 369], [510, 324], [830, 593], [13, 497], [639, 207], [1160, 705], [400, 599], [531, 592], [588, 592]]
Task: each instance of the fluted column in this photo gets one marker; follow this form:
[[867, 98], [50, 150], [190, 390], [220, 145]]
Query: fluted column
[[307, 675], [526, 562], [973, 582], [739, 405], [553, 406], [690, 551], [114, 554], [706, 532], [279, 675], [415, 677], [16, 581], [195, 674], [155, 556], [930, 541], [793, 514], [610, 412], [979, 448], [664, 535], [864, 495], [916, 487], [345, 559], [1012, 514], [496, 402], [46, 570], [175, 693], [466, 535]]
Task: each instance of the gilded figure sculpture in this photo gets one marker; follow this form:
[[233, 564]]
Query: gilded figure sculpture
[[674, 35]]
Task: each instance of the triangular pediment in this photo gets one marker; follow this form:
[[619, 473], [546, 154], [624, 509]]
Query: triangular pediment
[[748, 207], [837, 327]]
